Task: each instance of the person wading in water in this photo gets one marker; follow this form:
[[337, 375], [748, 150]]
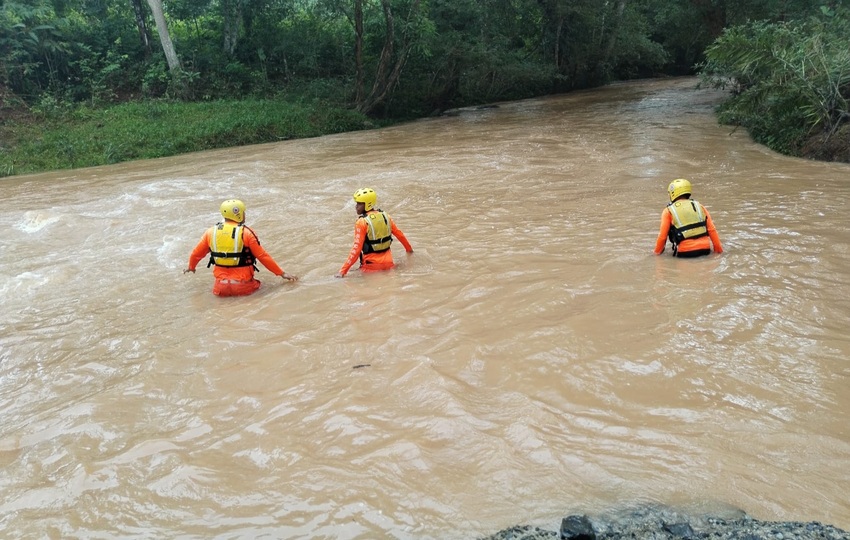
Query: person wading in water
[[373, 234], [234, 248], [687, 224]]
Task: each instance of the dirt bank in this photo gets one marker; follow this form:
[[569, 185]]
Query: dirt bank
[[829, 147]]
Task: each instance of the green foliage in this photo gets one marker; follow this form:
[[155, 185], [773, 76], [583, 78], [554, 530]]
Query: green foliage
[[156, 78], [453, 67], [87, 137], [333, 91], [49, 105], [30, 41], [101, 75], [634, 54], [308, 45], [460, 51], [788, 79], [502, 76], [686, 28], [72, 55], [789, 72]]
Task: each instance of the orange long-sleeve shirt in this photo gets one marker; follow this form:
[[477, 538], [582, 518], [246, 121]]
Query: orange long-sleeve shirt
[[373, 261], [241, 273], [689, 244]]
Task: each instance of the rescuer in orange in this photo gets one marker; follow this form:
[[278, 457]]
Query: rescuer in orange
[[234, 249], [687, 224], [373, 234]]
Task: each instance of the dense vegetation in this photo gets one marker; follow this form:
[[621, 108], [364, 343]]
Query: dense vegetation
[[790, 82], [86, 82]]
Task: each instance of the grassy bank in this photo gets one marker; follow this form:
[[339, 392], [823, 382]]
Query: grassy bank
[[33, 142]]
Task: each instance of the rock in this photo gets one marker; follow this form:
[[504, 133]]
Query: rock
[[653, 522], [577, 528], [680, 530]]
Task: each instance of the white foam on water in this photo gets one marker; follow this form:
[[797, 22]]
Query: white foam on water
[[22, 284], [36, 220]]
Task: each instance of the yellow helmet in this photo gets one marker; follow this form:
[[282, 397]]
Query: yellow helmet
[[367, 196], [233, 209], [678, 187]]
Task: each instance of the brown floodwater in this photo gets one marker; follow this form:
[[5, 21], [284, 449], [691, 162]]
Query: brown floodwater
[[531, 359]]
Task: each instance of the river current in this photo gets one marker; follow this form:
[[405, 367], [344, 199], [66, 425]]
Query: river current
[[532, 358]]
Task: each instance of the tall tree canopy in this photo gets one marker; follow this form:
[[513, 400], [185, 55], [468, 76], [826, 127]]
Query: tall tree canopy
[[383, 57]]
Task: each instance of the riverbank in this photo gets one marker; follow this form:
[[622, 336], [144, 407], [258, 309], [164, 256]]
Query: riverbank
[[46, 139], [40, 140], [827, 146], [661, 523]]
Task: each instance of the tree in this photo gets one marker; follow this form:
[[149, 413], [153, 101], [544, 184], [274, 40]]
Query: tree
[[612, 32], [358, 51], [231, 12], [34, 47], [171, 57], [789, 79], [141, 24], [391, 61]]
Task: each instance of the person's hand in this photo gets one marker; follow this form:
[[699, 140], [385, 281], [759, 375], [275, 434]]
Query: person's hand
[[289, 277], [339, 275], [185, 270]]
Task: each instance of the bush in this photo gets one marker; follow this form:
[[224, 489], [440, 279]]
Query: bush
[[788, 80]]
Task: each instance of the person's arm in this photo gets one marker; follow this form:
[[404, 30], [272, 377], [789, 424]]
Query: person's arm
[[712, 232], [201, 250], [356, 248], [250, 240], [661, 241], [400, 235]]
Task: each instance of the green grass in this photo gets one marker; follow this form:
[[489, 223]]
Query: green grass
[[88, 137]]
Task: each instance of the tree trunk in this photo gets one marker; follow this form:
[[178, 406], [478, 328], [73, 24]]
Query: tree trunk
[[144, 33], [164, 37], [553, 29], [615, 26], [358, 50], [388, 72], [558, 44], [232, 15]]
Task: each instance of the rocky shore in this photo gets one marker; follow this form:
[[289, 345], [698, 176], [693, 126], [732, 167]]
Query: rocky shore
[[661, 523]]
